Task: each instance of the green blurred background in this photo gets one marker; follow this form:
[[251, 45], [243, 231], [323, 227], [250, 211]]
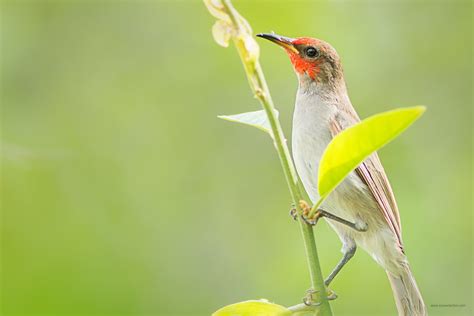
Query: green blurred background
[[123, 194]]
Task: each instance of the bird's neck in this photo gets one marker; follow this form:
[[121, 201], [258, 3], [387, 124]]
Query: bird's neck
[[323, 92]]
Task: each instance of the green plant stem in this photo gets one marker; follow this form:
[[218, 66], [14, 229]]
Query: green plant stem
[[259, 86]]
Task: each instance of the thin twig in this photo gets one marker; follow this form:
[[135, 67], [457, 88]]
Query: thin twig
[[259, 87]]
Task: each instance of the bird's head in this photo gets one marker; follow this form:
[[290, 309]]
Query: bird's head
[[312, 59]]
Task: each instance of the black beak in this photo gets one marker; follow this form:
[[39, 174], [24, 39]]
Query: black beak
[[283, 41]]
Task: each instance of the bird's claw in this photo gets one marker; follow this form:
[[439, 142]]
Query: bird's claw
[[331, 295], [308, 300], [293, 212], [304, 206], [310, 221], [306, 210]]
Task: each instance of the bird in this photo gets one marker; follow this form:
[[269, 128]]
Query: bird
[[362, 209]]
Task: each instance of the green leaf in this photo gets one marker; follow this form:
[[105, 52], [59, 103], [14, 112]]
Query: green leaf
[[256, 119], [253, 308], [353, 145]]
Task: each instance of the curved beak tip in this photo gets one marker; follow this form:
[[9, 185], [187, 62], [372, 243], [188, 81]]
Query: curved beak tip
[[283, 41], [271, 36]]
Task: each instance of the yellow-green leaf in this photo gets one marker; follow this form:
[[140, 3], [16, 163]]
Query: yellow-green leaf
[[353, 145], [256, 119], [253, 308]]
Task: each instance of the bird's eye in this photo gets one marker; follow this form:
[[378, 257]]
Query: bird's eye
[[311, 52]]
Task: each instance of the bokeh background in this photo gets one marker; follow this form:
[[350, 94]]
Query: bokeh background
[[123, 194]]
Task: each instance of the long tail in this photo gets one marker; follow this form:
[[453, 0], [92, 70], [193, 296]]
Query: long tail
[[405, 291]]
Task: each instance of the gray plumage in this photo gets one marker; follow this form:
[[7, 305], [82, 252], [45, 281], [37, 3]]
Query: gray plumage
[[365, 198]]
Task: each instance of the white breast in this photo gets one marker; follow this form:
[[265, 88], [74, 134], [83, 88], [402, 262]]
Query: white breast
[[311, 135]]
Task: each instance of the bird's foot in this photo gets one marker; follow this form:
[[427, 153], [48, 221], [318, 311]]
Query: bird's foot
[[358, 226], [308, 299], [306, 210]]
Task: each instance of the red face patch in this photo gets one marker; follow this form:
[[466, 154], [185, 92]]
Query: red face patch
[[302, 64]]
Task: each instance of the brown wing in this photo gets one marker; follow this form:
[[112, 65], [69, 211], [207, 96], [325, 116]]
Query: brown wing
[[372, 173]]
